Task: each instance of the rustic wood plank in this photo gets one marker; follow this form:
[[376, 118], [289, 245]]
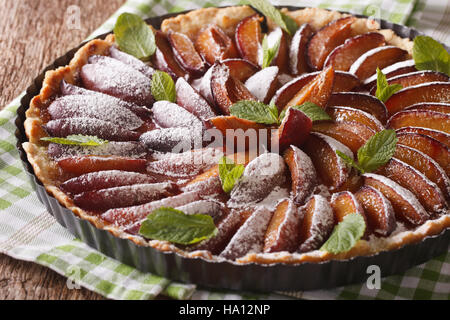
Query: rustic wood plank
[[32, 34]]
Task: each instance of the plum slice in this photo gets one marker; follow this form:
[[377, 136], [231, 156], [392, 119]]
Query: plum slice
[[393, 70], [425, 92], [420, 118], [131, 61], [104, 179], [70, 89], [343, 56], [317, 91], [426, 191], [92, 106], [297, 51], [430, 146], [214, 45], [85, 164], [88, 126], [172, 139], [227, 227], [378, 210], [340, 114], [164, 58], [431, 106], [226, 89], [414, 78], [293, 130], [185, 53], [191, 100], [317, 224], [351, 133], [440, 136], [283, 231], [426, 165], [129, 218], [123, 196], [110, 76], [406, 206], [240, 69], [263, 83], [332, 170], [361, 101], [303, 173], [260, 177], [343, 81], [132, 149], [248, 38], [250, 236], [366, 65], [186, 164], [168, 115], [326, 39]]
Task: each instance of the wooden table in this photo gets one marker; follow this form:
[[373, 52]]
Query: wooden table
[[32, 34]]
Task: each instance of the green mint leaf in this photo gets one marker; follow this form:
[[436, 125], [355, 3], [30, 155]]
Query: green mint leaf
[[274, 111], [134, 36], [349, 161], [255, 111], [384, 90], [428, 54], [346, 234], [77, 139], [378, 150], [229, 173], [313, 111], [175, 226], [269, 53], [163, 87], [266, 8]]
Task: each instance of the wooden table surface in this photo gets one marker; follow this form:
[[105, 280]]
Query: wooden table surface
[[32, 34]]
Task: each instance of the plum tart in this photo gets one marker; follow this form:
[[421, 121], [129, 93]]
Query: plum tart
[[249, 136]]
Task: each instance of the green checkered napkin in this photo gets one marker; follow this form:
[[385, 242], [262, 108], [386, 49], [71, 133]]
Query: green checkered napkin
[[28, 232]]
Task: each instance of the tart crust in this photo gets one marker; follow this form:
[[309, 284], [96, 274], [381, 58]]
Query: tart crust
[[48, 172]]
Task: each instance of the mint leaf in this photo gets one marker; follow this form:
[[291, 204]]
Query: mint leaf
[[378, 150], [134, 36], [269, 53], [77, 139], [255, 111], [428, 54], [163, 87], [313, 111], [384, 90], [345, 234], [266, 8], [229, 173], [349, 161], [175, 226]]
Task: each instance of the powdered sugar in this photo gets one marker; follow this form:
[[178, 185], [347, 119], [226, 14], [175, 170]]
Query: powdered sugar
[[167, 114], [260, 177], [321, 225], [172, 139], [93, 106], [113, 77], [260, 83], [131, 61], [250, 236], [357, 64], [305, 175], [209, 207], [192, 101], [405, 194], [125, 149], [87, 126], [389, 69]]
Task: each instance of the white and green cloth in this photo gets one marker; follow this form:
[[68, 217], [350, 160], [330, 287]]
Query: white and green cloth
[[29, 232]]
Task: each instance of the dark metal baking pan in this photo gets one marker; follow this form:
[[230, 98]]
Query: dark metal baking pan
[[227, 275]]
